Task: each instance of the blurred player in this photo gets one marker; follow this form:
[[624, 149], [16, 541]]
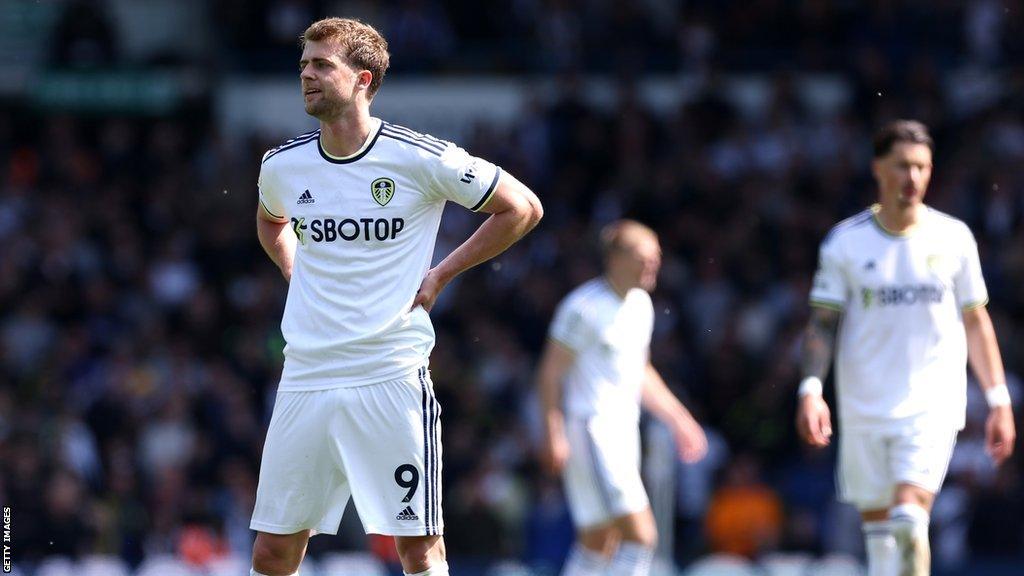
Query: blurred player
[[598, 351], [906, 282], [349, 212]]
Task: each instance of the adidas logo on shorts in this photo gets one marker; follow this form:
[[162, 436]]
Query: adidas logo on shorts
[[407, 514]]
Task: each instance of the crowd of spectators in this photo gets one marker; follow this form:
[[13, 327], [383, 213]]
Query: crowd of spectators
[[655, 35], [139, 319]]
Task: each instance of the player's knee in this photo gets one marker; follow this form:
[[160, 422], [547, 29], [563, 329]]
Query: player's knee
[[272, 554], [644, 535], [598, 540], [650, 539], [639, 528], [913, 495], [874, 515], [419, 553]]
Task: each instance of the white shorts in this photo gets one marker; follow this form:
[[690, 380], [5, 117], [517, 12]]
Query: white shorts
[[872, 463], [602, 475], [366, 442]]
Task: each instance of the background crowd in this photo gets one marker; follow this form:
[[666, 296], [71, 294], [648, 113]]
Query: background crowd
[[139, 319]]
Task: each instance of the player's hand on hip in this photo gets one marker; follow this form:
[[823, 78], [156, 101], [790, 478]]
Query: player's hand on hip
[[690, 440], [554, 453], [1000, 433], [430, 287], [814, 421]]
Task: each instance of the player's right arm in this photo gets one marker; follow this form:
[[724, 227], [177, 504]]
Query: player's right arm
[[828, 300], [554, 363], [570, 333], [813, 419], [276, 237]]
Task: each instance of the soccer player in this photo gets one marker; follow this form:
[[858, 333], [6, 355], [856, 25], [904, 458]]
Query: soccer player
[[349, 213], [598, 352], [900, 297]]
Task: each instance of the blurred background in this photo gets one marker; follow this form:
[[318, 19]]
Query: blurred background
[[139, 319]]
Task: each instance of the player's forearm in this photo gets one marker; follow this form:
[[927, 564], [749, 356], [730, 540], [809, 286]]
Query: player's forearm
[[551, 405], [983, 349], [656, 397], [819, 343], [493, 237], [278, 241], [553, 364]]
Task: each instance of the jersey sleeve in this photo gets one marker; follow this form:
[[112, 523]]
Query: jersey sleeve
[[969, 284], [830, 288], [269, 197], [463, 178], [569, 327], [651, 317]]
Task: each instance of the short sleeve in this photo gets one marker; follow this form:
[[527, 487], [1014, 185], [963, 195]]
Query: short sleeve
[[569, 327], [269, 197], [463, 178], [969, 284], [830, 288]]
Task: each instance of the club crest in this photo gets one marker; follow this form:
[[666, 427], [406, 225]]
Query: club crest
[[382, 190]]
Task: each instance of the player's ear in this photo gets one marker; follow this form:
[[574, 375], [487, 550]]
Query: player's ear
[[363, 79], [876, 168]]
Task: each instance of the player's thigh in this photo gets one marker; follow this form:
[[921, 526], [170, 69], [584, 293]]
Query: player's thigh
[[863, 476], [602, 474], [301, 484], [389, 435], [919, 459]]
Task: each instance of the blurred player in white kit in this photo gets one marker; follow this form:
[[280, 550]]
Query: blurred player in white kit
[[900, 299], [598, 354]]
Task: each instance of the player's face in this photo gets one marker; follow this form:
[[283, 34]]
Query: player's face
[[640, 263], [329, 84], [903, 174]]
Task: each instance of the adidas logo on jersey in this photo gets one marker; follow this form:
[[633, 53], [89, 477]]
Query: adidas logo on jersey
[[407, 514], [306, 198]]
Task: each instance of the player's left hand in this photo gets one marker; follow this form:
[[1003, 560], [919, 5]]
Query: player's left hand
[[1000, 434], [430, 287], [690, 440]]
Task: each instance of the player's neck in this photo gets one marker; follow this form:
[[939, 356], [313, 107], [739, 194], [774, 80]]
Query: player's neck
[[899, 220], [620, 287], [345, 135]]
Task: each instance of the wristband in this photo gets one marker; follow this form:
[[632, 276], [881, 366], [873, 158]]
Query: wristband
[[997, 396], [810, 385]]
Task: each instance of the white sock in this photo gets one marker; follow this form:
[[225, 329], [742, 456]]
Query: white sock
[[438, 569], [910, 527], [880, 544], [631, 559], [584, 562], [253, 572]]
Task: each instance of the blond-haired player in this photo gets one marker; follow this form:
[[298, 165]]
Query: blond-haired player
[[594, 375], [349, 212], [900, 297]]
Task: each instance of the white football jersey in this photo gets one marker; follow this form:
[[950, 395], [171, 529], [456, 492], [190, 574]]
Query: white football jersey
[[611, 337], [366, 226], [902, 351]]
